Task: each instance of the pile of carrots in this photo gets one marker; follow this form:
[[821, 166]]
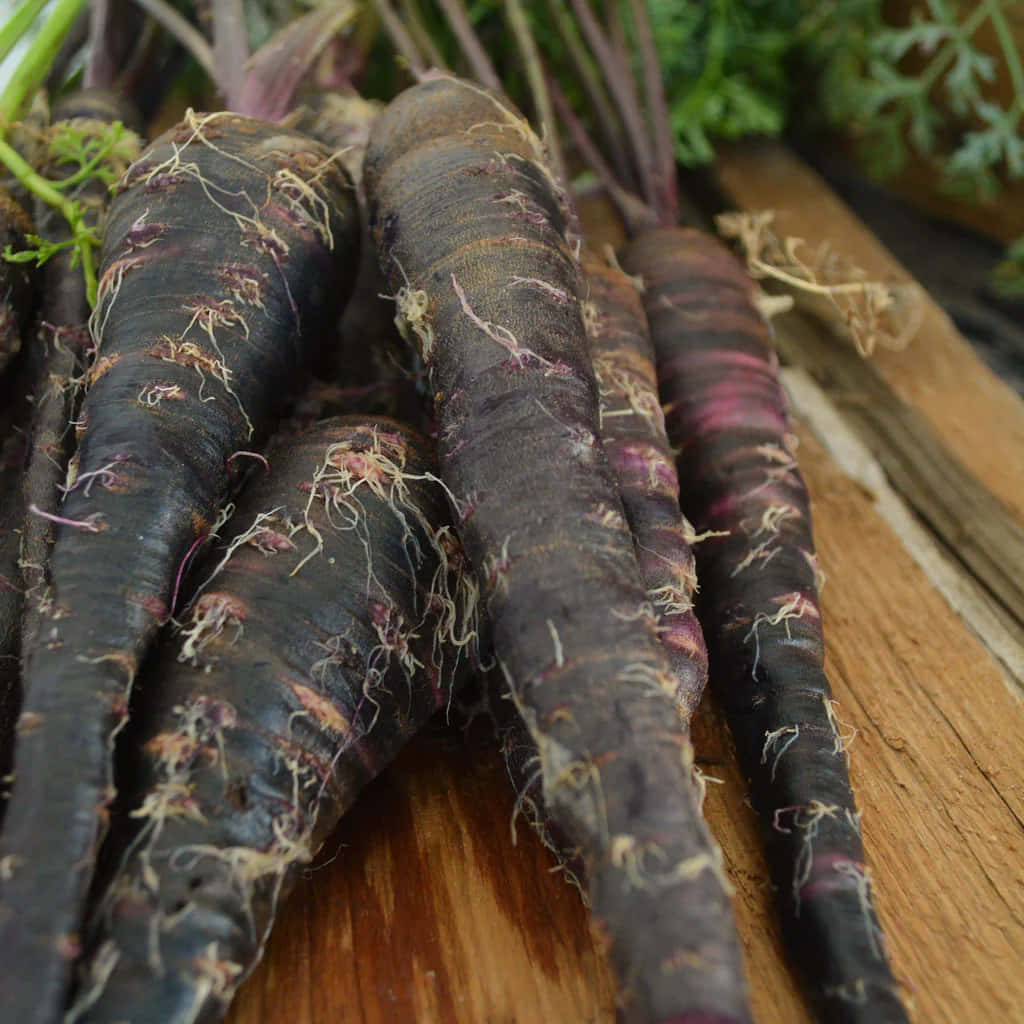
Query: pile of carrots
[[226, 613]]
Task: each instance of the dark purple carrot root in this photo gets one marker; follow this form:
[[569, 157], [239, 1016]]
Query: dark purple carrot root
[[335, 621], [726, 414], [223, 265], [634, 439], [470, 230], [62, 343], [12, 589], [633, 432], [370, 361]]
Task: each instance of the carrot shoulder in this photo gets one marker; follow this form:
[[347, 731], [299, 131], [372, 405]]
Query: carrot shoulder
[[222, 266]]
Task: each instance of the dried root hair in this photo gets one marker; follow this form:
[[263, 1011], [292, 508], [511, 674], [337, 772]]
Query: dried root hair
[[871, 313]]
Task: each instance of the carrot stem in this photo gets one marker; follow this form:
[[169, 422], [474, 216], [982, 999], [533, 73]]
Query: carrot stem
[[623, 95], [17, 25], [186, 34], [531, 58], [400, 38], [458, 20], [657, 110], [84, 238]]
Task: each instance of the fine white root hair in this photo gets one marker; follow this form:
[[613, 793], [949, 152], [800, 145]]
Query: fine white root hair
[[497, 332], [860, 876], [779, 740], [842, 740], [807, 820], [634, 859], [213, 613]]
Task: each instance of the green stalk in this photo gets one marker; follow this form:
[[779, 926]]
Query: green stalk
[[36, 64], [17, 25], [84, 238], [534, 68]]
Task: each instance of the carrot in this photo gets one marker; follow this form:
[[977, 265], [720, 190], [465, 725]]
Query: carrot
[[633, 432], [759, 608], [40, 400], [12, 516], [62, 339], [759, 605], [470, 230], [633, 435], [335, 620], [223, 261]]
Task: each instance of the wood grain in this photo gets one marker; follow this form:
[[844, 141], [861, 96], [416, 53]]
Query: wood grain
[[428, 912], [975, 415], [976, 528]]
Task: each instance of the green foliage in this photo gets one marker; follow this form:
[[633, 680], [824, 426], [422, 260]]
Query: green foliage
[[41, 250], [96, 153], [99, 157], [923, 87], [725, 68]]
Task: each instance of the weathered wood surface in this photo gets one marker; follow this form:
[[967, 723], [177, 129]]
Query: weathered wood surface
[[974, 528], [426, 912], [976, 416]]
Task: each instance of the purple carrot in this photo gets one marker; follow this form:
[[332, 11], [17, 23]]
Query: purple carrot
[[225, 257], [334, 620], [759, 601], [62, 341], [633, 432], [470, 228], [759, 607]]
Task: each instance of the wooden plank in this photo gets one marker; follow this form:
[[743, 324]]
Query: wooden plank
[[976, 416], [937, 776], [935, 765], [977, 529]]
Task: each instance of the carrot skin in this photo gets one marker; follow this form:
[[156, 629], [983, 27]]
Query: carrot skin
[[12, 519], [633, 431], [371, 360], [759, 606], [634, 439], [249, 750], [219, 273], [470, 232], [62, 345]]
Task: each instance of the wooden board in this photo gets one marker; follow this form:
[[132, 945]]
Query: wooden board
[[426, 911]]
